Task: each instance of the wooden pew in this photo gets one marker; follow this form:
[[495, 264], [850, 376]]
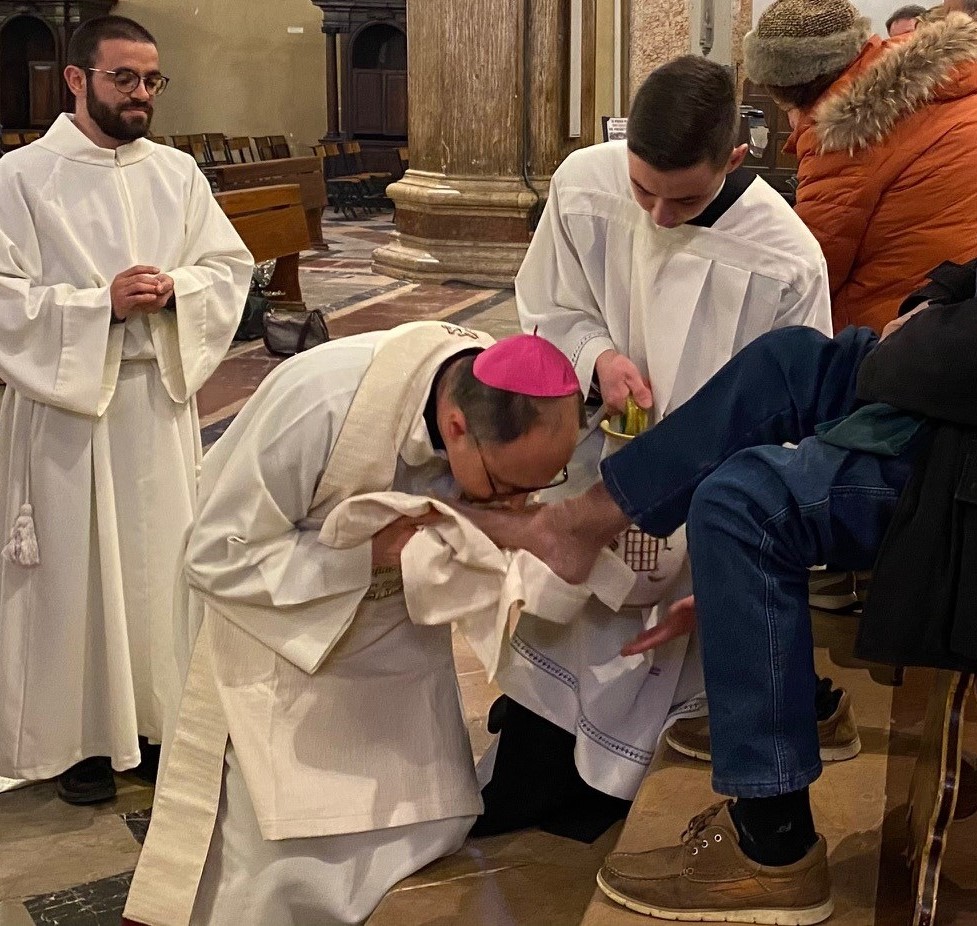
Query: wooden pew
[[304, 171], [271, 221]]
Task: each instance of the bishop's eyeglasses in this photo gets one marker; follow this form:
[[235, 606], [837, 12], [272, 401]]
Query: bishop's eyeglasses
[[126, 80], [503, 494]]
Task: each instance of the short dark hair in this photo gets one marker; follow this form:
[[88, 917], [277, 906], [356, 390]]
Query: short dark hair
[[913, 11], [495, 416], [683, 114], [83, 47], [804, 96]]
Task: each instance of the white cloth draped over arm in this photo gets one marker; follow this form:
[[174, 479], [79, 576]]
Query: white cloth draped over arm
[[453, 573], [54, 340], [555, 289], [247, 556], [211, 286]]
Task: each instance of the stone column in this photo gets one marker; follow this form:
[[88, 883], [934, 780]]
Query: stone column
[[332, 86], [663, 29], [487, 89]]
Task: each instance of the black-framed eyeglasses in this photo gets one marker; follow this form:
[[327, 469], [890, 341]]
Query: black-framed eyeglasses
[[126, 81], [515, 490]]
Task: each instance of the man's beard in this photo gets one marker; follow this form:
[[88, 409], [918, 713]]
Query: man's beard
[[110, 120]]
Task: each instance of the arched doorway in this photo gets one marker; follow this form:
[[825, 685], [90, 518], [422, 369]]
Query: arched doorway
[[29, 74], [378, 83]]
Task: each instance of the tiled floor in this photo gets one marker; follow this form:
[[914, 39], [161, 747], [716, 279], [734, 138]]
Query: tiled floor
[[70, 866], [339, 281]]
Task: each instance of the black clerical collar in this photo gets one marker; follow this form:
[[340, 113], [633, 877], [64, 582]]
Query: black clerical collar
[[431, 411], [734, 187], [431, 407]]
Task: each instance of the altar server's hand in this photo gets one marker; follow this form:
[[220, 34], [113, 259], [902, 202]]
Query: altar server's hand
[[164, 288], [139, 289], [619, 378], [678, 621], [389, 542]]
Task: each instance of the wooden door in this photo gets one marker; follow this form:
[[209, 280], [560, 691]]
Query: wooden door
[[368, 102], [43, 87], [395, 103]]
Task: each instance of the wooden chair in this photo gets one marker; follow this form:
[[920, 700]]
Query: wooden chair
[[935, 788], [182, 143], [198, 148], [346, 193], [30, 136], [217, 148], [279, 146], [262, 144], [11, 140], [271, 222], [159, 139], [353, 156], [239, 149], [199, 151]]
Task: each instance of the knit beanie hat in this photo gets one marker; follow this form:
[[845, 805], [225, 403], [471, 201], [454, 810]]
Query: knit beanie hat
[[796, 41]]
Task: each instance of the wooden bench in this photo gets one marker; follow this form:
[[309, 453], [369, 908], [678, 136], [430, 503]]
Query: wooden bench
[[271, 222], [306, 172]]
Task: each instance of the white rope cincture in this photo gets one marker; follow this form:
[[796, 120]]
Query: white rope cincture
[[21, 548]]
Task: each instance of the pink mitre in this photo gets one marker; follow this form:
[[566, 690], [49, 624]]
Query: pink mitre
[[529, 365]]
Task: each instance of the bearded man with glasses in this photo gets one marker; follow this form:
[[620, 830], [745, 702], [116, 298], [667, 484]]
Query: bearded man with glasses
[[121, 285]]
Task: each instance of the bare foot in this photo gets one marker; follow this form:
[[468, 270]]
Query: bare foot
[[567, 536]]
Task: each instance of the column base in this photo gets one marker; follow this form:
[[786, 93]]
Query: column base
[[470, 229]]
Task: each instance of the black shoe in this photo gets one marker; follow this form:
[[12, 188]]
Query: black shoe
[[89, 782], [148, 767]]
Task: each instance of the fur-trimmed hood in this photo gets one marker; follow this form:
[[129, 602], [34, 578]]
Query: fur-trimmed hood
[[901, 79]]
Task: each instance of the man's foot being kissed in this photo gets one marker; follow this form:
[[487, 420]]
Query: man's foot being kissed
[[567, 536]]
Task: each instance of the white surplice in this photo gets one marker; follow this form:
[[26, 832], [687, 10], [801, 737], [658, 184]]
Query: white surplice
[[349, 761], [98, 432], [679, 302]]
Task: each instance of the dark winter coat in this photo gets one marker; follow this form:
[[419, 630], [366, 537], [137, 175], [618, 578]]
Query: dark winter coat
[[922, 604]]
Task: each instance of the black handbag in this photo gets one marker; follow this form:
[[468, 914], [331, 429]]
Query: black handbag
[[290, 328]]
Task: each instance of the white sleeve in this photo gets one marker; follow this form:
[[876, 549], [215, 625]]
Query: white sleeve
[[560, 286], [53, 339], [248, 553], [211, 287], [808, 303]]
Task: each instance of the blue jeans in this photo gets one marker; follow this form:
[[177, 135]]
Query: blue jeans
[[758, 515]]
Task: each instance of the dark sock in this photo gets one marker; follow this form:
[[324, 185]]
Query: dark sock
[[825, 700], [775, 830]]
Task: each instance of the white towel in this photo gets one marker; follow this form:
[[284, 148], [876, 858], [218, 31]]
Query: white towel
[[453, 573]]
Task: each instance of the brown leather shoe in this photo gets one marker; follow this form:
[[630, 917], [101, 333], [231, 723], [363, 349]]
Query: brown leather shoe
[[837, 735], [708, 879]]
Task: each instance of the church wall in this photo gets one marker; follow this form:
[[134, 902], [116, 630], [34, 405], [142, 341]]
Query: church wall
[[236, 69]]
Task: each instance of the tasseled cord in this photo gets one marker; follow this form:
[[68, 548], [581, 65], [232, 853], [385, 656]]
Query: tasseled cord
[[22, 546]]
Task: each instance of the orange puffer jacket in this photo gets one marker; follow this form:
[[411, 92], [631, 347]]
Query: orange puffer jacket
[[888, 168]]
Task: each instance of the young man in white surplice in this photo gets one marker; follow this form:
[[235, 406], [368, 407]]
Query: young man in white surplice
[[655, 261]]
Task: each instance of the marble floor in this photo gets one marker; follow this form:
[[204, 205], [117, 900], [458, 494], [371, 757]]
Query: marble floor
[[71, 866]]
